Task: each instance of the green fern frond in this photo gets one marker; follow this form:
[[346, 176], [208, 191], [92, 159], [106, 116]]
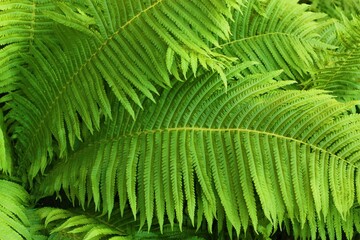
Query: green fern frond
[[341, 75], [280, 35], [21, 22], [5, 149], [333, 227], [132, 38], [77, 224], [49, 114], [17, 221], [335, 8], [255, 150], [126, 46]]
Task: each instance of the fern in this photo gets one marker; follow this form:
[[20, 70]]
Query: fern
[[193, 119], [279, 35], [116, 51], [17, 221], [225, 141], [21, 23], [5, 149], [77, 224], [341, 75], [335, 8]]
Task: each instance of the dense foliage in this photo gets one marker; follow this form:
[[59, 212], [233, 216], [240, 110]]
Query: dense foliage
[[191, 119]]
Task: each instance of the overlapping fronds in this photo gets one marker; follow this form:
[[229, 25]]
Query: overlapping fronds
[[133, 45], [16, 221], [342, 74], [77, 224], [5, 149], [280, 35], [290, 156], [70, 225], [90, 97], [21, 22], [335, 8], [332, 227]]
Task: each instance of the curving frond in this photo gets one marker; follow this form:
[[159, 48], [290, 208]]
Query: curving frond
[[77, 224], [132, 45], [290, 156], [62, 222], [341, 75], [280, 35], [17, 221], [21, 23]]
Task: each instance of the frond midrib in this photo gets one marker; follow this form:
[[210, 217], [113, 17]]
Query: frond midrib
[[32, 25], [71, 80], [203, 129]]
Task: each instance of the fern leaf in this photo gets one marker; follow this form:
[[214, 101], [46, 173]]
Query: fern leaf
[[21, 23], [279, 35], [17, 220], [75, 224], [5, 150], [219, 131], [107, 45], [335, 8], [341, 74]]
